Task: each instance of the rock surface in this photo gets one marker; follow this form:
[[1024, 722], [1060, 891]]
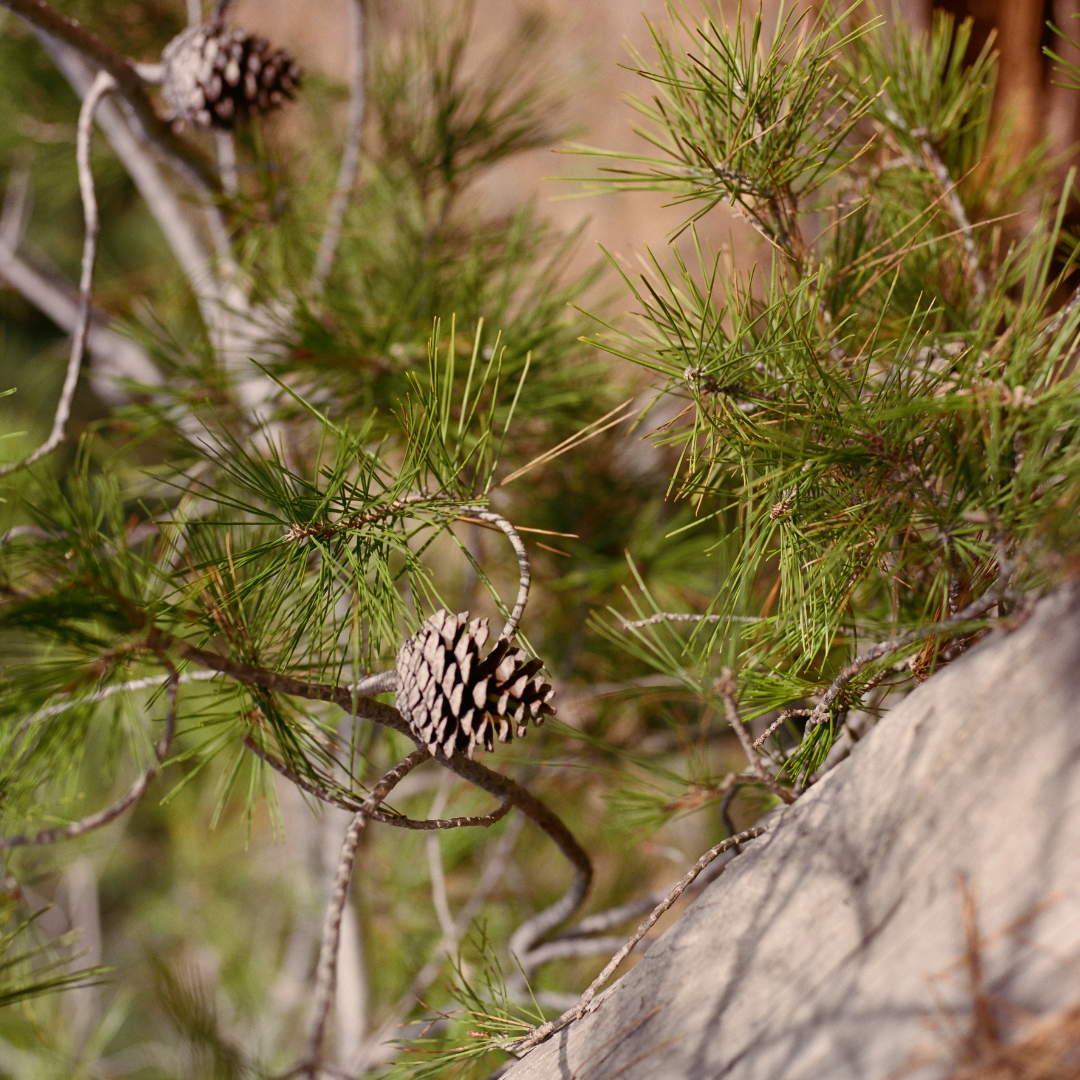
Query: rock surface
[[833, 947]]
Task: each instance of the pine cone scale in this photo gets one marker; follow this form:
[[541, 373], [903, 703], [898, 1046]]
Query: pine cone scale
[[455, 698]]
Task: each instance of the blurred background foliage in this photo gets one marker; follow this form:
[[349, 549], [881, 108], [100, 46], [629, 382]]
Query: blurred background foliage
[[190, 927]]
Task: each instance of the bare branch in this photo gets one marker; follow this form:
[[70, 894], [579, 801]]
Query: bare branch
[[136, 157], [345, 802], [435, 866], [956, 208], [524, 568], [226, 155], [350, 157], [116, 355], [326, 972], [975, 610], [129, 798], [538, 1034], [727, 691], [494, 867], [680, 616], [787, 714], [103, 84]]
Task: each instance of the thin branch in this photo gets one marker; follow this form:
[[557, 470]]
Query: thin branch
[[326, 972], [134, 154], [956, 208], [129, 798], [787, 714], [681, 616], [726, 688], [226, 156], [342, 800], [973, 611], [524, 569], [502, 787], [494, 867], [102, 85], [350, 157], [129, 82], [583, 1006]]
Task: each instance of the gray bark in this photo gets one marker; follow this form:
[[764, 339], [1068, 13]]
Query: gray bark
[[832, 948]]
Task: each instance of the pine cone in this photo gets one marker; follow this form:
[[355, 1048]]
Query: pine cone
[[215, 77], [454, 698]]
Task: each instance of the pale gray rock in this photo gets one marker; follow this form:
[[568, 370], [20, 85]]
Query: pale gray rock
[[832, 947]]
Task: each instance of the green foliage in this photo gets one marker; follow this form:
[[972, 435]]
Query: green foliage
[[883, 435], [868, 431]]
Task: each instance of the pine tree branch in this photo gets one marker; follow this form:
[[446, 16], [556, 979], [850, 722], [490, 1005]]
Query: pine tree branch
[[585, 1002], [976, 609], [502, 787], [128, 799], [399, 821], [129, 82], [326, 972], [103, 84], [726, 687]]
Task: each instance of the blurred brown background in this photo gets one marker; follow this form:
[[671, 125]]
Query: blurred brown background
[[601, 33]]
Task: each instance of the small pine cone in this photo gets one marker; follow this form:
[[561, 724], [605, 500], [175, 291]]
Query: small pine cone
[[454, 698], [215, 77]]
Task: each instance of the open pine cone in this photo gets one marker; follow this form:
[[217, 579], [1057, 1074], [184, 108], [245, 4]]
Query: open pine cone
[[453, 697], [215, 77]]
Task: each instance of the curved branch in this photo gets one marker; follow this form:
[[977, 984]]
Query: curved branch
[[973, 611], [502, 787], [399, 821], [326, 973], [129, 798], [524, 569], [757, 766], [103, 84]]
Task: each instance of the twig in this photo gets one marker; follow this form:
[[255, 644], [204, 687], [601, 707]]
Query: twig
[[102, 85], [538, 1034], [787, 714], [973, 611], [350, 156], [684, 616], [524, 570], [493, 869], [434, 860], [956, 208], [129, 798], [727, 691], [502, 787], [399, 821], [226, 156], [135, 156], [326, 972]]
